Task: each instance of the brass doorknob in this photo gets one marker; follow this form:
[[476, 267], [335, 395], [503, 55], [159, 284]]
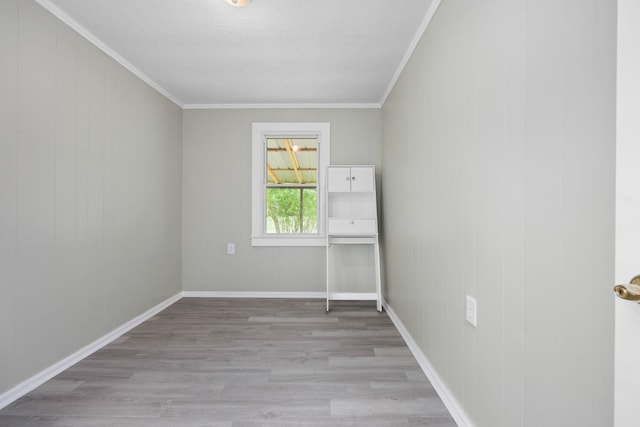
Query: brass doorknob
[[629, 292]]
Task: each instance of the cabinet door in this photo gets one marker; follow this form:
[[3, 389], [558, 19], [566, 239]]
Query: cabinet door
[[362, 179], [338, 179]]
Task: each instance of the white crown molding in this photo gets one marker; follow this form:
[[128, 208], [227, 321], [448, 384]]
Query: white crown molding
[[241, 294], [283, 106], [416, 39], [58, 13], [45, 375], [452, 404]]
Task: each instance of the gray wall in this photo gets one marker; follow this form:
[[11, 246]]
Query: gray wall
[[217, 202], [498, 152], [90, 184]]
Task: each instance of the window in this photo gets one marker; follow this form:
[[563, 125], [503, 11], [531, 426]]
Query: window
[[289, 163]]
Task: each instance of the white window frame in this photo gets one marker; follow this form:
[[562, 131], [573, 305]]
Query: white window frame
[[260, 132]]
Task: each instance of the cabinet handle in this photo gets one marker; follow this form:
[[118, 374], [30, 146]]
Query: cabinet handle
[[347, 178], [353, 178], [629, 292], [352, 222]]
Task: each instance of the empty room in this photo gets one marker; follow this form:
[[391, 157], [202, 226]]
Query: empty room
[[319, 213]]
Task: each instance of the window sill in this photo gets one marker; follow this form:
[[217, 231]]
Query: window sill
[[289, 241]]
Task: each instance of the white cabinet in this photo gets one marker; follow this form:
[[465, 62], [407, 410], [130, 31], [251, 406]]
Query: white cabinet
[[351, 179], [351, 201], [352, 219]]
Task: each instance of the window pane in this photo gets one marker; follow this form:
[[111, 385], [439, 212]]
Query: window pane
[[291, 210], [293, 164], [292, 161]]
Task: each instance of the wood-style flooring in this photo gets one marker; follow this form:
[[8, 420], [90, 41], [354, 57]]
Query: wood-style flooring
[[243, 363]]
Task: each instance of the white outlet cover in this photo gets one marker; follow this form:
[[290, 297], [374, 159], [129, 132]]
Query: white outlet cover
[[231, 248], [471, 311]]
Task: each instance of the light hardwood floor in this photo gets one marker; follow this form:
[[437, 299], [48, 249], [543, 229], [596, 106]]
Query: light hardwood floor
[[243, 363]]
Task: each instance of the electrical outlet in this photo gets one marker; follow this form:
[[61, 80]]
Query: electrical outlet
[[471, 311], [231, 248]]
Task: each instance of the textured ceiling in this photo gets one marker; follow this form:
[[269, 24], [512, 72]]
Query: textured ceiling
[[208, 53]]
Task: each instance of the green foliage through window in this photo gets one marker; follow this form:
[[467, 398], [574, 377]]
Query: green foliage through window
[[291, 210]]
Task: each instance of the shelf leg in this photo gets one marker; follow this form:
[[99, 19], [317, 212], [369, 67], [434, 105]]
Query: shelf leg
[[327, 272], [378, 278]]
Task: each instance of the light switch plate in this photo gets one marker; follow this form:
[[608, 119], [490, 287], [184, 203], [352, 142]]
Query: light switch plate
[[471, 311], [231, 248]]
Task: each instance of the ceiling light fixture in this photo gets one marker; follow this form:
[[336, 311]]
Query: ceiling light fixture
[[238, 3]]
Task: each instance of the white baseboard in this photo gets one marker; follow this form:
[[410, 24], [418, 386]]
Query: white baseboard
[[358, 296], [452, 404], [45, 375], [232, 294]]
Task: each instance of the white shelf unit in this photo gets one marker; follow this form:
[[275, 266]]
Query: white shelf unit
[[352, 218]]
